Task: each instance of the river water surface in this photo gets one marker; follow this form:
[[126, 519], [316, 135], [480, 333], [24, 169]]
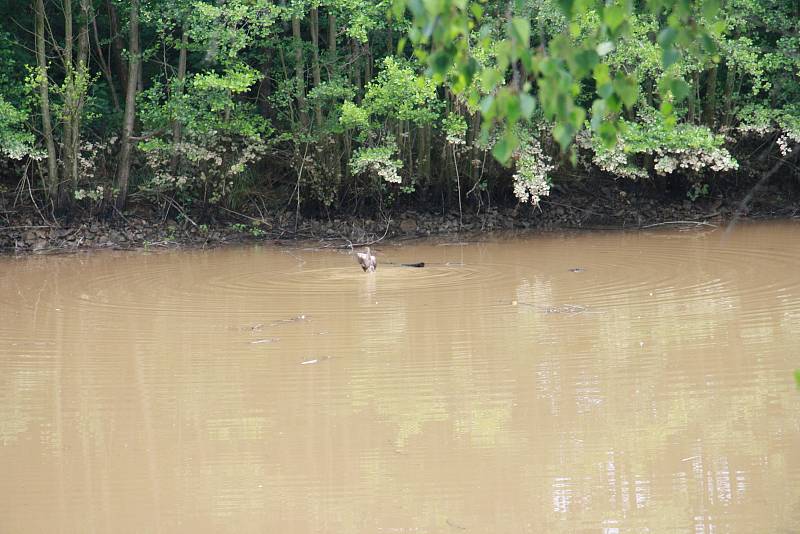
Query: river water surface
[[587, 382]]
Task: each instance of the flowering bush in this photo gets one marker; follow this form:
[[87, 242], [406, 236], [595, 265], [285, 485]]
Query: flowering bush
[[760, 122], [531, 180], [379, 161], [686, 148]]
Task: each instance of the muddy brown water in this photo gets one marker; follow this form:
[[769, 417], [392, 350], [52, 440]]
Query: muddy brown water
[[589, 382]]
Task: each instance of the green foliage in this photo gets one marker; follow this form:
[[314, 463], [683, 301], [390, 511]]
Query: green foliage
[[12, 73], [443, 37], [648, 88], [697, 191], [222, 136], [16, 141], [234, 80], [396, 94], [399, 93], [354, 117]]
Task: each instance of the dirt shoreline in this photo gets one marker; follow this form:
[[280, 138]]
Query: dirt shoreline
[[22, 231]]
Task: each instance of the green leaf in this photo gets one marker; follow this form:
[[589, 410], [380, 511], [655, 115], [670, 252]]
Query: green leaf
[[490, 78], [710, 8], [628, 89], [573, 156], [797, 378], [614, 103], [668, 114], [563, 135], [477, 11], [527, 105], [613, 16], [441, 62], [679, 89], [598, 113], [398, 9], [470, 69], [566, 6], [487, 107], [505, 147], [709, 44], [585, 61], [526, 57], [415, 6], [507, 105], [503, 54], [669, 56], [608, 134], [512, 109], [601, 74], [522, 30], [434, 7], [667, 37]]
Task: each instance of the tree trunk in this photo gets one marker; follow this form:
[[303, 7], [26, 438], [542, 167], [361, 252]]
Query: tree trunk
[[367, 62], [299, 70], [44, 96], [692, 114], [63, 197], [124, 167], [76, 80], [117, 45], [332, 36], [355, 66], [730, 81], [315, 61], [140, 77], [80, 88], [336, 147], [177, 125], [475, 129], [424, 155], [104, 66], [264, 90], [331, 63], [710, 108]]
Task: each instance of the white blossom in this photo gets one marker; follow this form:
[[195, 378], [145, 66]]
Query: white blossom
[[530, 179]]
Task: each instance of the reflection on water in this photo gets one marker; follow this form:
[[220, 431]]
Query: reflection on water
[[613, 382]]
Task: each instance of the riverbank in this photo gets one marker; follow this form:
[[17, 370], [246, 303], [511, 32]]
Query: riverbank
[[23, 230]]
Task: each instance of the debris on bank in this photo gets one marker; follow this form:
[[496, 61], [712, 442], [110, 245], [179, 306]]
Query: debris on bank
[[26, 232]]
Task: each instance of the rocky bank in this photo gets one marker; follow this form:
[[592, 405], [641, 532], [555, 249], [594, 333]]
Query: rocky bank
[[23, 231]]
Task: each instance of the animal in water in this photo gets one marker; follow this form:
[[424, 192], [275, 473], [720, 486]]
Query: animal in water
[[367, 260]]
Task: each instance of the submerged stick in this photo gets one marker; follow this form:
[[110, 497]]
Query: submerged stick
[[696, 223]]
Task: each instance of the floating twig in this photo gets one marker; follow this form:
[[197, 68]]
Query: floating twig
[[665, 223], [268, 340]]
